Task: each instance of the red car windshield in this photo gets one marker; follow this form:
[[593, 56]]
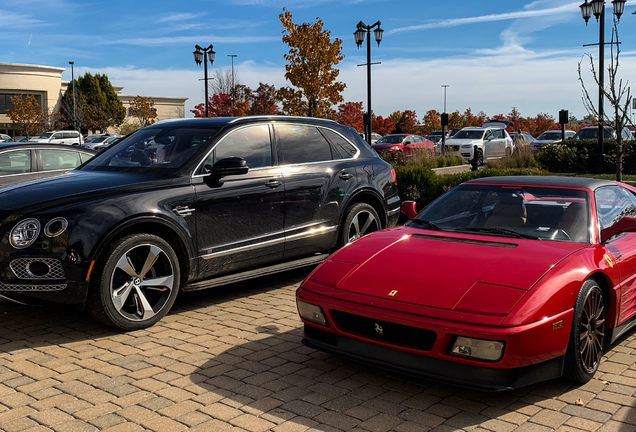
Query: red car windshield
[[535, 212]]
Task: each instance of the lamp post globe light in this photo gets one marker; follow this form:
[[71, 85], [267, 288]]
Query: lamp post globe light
[[597, 7], [201, 55], [359, 34]]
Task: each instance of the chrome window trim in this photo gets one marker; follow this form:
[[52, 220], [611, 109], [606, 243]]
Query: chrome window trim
[[270, 123]]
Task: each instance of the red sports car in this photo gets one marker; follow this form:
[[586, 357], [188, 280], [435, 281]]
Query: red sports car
[[499, 283]]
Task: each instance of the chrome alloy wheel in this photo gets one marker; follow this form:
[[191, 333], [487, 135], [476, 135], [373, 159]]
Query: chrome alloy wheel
[[141, 282], [364, 222]]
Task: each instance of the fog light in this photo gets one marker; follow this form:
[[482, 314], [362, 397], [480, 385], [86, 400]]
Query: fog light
[[311, 312], [477, 348]]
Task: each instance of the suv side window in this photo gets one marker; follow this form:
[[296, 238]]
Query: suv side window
[[340, 147], [252, 143], [302, 144], [15, 162]]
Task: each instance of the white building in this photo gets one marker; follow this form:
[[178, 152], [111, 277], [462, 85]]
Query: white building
[[45, 83]]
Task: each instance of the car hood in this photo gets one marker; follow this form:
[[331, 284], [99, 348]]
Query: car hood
[[382, 146], [74, 185], [437, 269], [462, 141]]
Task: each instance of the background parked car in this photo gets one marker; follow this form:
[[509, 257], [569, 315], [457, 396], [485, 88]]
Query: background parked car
[[5, 138], [69, 137], [21, 162], [396, 146], [550, 136], [521, 139], [191, 204], [98, 141], [476, 144]]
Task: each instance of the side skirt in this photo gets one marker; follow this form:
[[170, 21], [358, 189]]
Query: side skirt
[[254, 273]]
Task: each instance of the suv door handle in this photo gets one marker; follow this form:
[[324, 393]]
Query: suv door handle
[[273, 184], [345, 175]]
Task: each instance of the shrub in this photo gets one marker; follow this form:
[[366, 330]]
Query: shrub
[[522, 157]]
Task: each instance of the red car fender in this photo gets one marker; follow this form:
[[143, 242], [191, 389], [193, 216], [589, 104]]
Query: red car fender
[[558, 289]]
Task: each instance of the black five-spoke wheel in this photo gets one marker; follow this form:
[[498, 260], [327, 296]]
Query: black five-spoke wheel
[[587, 338]]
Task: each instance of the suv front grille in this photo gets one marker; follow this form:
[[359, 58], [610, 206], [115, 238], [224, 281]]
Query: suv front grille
[[383, 331]]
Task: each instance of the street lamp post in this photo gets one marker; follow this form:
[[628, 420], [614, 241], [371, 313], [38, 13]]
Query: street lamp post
[[359, 34], [597, 7], [202, 55], [73, 87], [444, 121], [232, 91]]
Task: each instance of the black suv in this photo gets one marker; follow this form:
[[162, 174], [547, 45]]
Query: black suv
[[191, 204]]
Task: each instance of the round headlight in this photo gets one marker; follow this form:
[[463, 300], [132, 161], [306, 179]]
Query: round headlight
[[24, 233], [55, 227]]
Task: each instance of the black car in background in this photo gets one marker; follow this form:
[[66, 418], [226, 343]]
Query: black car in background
[[191, 204], [22, 162]]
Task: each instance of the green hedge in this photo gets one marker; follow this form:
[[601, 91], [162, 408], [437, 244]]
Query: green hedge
[[578, 156], [422, 185]]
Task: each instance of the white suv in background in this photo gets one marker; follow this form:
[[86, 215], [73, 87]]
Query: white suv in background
[[476, 144], [69, 137]]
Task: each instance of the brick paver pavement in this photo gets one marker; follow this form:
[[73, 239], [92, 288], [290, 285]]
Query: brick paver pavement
[[230, 359]]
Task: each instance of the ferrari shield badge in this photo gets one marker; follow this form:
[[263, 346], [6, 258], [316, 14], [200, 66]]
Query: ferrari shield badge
[[393, 293]]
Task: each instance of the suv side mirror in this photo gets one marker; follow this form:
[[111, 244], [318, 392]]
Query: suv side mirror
[[624, 225], [223, 168]]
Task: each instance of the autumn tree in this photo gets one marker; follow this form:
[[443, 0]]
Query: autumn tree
[[310, 69], [26, 114], [383, 126], [263, 100], [431, 122], [143, 108], [351, 114], [408, 123]]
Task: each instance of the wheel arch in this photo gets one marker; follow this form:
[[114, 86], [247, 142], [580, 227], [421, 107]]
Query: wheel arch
[[150, 225], [370, 197]]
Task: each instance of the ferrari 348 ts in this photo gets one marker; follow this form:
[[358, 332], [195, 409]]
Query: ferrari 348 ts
[[499, 283]]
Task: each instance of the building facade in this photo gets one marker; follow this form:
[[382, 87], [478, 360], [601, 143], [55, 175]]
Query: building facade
[[45, 83]]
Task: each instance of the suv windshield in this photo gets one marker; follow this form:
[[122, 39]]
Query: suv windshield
[[469, 134], [153, 148]]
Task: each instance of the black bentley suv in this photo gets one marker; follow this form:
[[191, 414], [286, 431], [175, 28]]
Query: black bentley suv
[[190, 204]]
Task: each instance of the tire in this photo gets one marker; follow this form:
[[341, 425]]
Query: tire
[[136, 283], [361, 219], [587, 337], [478, 157]]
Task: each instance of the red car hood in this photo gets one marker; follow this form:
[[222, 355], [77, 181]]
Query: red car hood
[[438, 269]]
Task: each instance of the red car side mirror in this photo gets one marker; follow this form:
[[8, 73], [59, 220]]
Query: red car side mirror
[[626, 224], [409, 209]]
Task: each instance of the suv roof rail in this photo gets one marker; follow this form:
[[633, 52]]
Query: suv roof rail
[[279, 117]]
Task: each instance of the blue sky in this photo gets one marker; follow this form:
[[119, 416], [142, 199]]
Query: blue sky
[[493, 55]]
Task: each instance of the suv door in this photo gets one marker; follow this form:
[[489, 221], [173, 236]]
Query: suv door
[[240, 222], [319, 172]]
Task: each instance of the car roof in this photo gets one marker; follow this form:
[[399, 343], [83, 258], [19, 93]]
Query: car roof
[[223, 121], [579, 182], [36, 145]]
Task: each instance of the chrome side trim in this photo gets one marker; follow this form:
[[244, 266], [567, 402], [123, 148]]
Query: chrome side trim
[[311, 232]]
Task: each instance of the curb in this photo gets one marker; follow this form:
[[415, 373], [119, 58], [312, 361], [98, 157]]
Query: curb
[[452, 169]]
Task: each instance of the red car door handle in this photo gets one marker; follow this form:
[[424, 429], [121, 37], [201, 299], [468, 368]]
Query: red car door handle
[[273, 184], [345, 175]]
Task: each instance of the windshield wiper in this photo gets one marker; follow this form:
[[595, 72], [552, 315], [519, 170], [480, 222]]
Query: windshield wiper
[[427, 223], [498, 230]]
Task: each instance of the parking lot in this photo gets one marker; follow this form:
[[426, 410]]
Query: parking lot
[[231, 359]]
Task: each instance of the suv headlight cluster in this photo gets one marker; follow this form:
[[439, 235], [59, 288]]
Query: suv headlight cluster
[[26, 232]]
